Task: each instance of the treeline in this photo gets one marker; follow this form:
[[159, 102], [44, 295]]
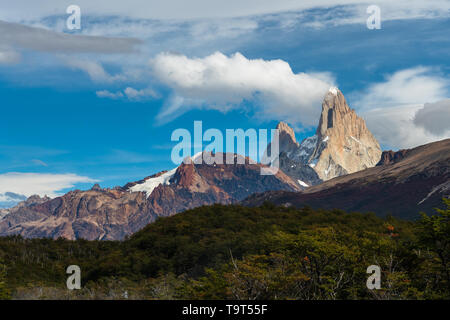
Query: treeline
[[235, 252]]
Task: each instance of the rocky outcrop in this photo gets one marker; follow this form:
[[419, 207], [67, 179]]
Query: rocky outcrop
[[112, 214], [342, 144], [391, 157], [23, 205]]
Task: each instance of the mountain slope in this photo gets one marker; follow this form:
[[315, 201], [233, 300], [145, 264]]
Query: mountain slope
[[416, 181], [110, 214]]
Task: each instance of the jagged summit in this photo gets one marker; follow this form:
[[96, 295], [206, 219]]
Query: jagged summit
[[287, 140], [334, 109], [333, 90], [285, 129], [342, 144]]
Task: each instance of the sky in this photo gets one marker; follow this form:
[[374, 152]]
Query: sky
[[99, 104]]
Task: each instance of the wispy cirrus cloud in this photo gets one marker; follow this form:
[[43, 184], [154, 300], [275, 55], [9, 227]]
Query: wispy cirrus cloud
[[197, 9], [94, 69], [39, 39], [28, 183], [129, 93], [9, 55], [109, 94]]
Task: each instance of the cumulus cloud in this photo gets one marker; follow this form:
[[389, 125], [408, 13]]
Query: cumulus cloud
[[222, 83], [416, 85], [434, 117], [39, 183], [403, 110], [395, 129]]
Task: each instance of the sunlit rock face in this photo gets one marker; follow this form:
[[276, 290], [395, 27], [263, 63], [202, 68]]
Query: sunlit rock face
[[342, 144]]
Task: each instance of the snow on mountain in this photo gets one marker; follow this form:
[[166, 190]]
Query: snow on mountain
[[333, 91], [150, 184], [303, 153], [302, 183]]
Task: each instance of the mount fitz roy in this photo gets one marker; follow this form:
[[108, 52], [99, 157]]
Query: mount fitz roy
[[342, 145], [319, 172]]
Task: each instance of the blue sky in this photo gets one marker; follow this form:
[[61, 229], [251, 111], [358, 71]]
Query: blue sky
[[93, 106]]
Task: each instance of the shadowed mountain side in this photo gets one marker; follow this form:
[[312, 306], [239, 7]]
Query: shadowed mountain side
[[417, 182]]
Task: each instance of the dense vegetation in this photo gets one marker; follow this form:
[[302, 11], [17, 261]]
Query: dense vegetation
[[234, 252]]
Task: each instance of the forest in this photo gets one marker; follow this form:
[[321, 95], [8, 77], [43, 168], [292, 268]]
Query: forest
[[236, 252]]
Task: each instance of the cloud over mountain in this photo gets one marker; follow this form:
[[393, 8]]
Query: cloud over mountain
[[434, 117], [400, 110], [223, 83]]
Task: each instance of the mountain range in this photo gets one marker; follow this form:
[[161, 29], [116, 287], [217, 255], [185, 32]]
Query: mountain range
[[341, 166], [111, 214], [402, 184]]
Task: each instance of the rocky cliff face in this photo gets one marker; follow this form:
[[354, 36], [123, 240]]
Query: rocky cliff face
[[342, 145], [111, 214], [391, 157]]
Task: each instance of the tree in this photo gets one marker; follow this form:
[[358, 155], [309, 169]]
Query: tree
[[4, 291], [434, 236]]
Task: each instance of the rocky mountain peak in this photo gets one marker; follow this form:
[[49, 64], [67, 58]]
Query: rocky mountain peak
[[96, 187], [391, 157], [342, 144], [36, 199], [286, 131], [287, 141], [334, 109]]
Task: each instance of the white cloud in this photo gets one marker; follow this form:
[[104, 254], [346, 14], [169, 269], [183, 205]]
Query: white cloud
[[134, 94], [9, 56], [40, 39], [109, 94], [11, 197], [181, 9], [94, 69], [39, 183], [434, 117], [417, 85], [39, 162], [222, 83], [394, 109], [130, 93], [395, 128]]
